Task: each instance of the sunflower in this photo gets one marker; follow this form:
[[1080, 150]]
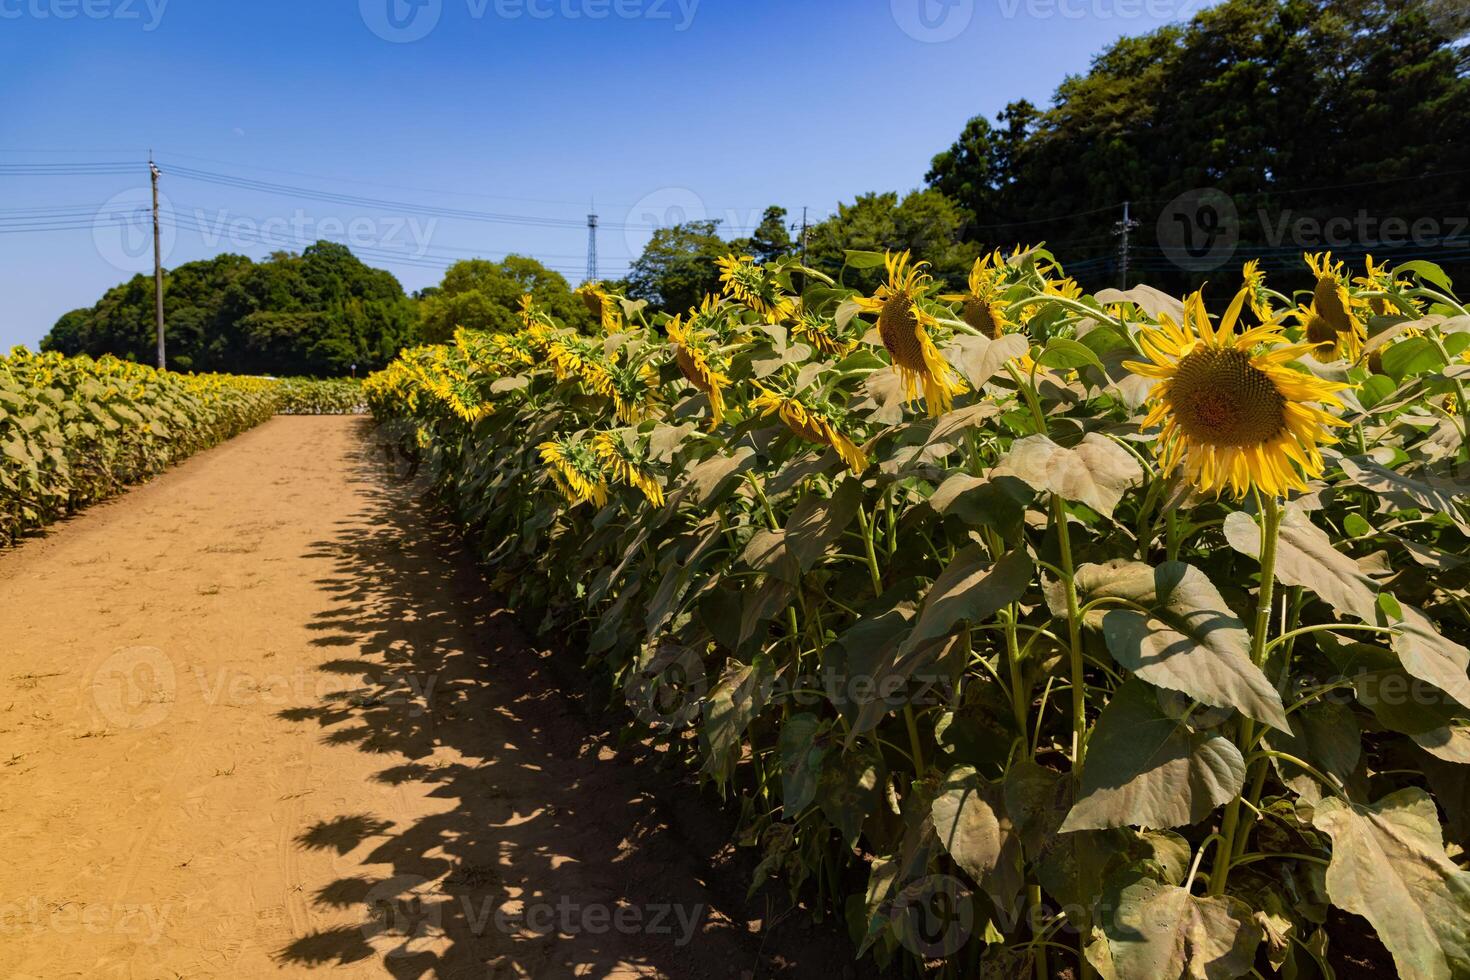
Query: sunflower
[[632, 387], [904, 326], [749, 283], [1235, 418], [1255, 287], [697, 359], [575, 470], [1333, 326], [1381, 279], [983, 309], [603, 306], [625, 467], [810, 424], [821, 335]]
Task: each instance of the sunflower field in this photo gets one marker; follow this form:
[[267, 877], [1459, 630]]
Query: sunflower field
[[1034, 633], [74, 430], [313, 396]]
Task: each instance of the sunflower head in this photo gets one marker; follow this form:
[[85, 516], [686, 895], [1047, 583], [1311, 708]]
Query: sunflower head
[[810, 423], [750, 284], [1233, 413], [1330, 294], [700, 362], [632, 386], [821, 335], [575, 470], [1255, 288], [624, 465], [603, 307], [903, 325], [1380, 279]]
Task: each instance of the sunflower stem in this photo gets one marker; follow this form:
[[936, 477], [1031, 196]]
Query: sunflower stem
[[866, 527], [1265, 601], [1074, 635]]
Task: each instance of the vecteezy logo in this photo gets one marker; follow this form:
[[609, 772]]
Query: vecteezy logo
[[401, 21], [402, 909], [122, 230], [666, 689], [933, 21], [934, 916], [1199, 230], [134, 687], [664, 208]]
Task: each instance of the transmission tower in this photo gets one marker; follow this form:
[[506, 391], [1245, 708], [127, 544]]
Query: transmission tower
[[592, 247]]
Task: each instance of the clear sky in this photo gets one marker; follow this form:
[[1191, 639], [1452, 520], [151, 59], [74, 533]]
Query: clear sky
[[396, 117]]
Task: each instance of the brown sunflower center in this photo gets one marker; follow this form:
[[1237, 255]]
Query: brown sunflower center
[[1329, 305], [898, 325], [690, 369], [1221, 399], [1319, 331], [977, 314]]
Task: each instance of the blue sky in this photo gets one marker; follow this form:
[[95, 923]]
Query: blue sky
[[524, 110]]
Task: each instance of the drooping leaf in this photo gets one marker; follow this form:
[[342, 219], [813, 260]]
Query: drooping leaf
[[980, 358], [1144, 769], [847, 790], [1095, 473], [1162, 932], [970, 818], [970, 588], [801, 762], [1389, 866], [1305, 557], [1187, 641]]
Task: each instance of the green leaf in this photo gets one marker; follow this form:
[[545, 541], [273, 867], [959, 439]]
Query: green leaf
[[1327, 736], [1411, 358], [1375, 390], [971, 589], [1306, 557], [1428, 271], [817, 522], [801, 762], [980, 358], [848, 792], [1395, 491], [970, 818], [1187, 641], [1389, 866], [1095, 473], [1066, 354], [729, 709], [1162, 932], [857, 259], [1144, 769]]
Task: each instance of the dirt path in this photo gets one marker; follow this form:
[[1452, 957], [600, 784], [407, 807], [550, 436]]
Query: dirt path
[[261, 718]]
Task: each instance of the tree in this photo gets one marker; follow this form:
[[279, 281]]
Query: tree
[[925, 222], [479, 294], [317, 313], [770, 240], [677, 268], [1294, 109]]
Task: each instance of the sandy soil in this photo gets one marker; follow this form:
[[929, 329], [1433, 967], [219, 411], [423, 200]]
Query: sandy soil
[[262, 718]]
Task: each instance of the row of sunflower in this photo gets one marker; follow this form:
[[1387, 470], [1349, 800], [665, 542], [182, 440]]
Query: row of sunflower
[[74, 430], [1033, 632]]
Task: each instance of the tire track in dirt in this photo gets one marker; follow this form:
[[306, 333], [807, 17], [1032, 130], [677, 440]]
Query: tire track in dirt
[[262, 718]]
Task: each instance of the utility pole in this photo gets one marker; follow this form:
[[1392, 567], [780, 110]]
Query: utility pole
[[1123, 228], [154, 173], [592, 245], [802, 234]]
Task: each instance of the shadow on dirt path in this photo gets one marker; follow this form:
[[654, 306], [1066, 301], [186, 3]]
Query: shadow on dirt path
[[553, 856]]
